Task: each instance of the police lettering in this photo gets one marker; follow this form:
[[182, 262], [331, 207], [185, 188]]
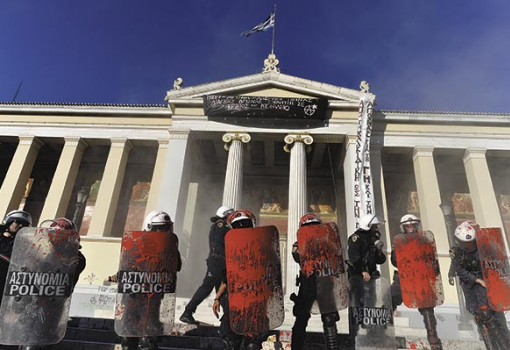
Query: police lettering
[[44, 284], [500, 266], [146, 282], [371, 316], [324, 268]]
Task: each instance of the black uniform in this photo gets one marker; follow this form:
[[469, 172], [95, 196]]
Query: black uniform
[[6, 245], [468, 268], [429, 319], [363, 257], [307, 295], [215, 264]]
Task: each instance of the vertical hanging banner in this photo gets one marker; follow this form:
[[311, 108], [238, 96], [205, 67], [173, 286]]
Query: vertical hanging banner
[[363, 199]]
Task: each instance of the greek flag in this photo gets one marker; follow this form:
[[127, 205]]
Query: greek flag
[[262, 27]]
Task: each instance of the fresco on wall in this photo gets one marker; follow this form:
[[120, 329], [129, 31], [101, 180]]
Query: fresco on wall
[[413, 204], [89, 207], [137, 205], [462, 204]]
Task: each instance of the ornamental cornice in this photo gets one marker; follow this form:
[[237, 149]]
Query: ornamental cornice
[[474, 153], [30, 140], [420, 152]]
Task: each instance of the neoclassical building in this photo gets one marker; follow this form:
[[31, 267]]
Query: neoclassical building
[[106, 166]]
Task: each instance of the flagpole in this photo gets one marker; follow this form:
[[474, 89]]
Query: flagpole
[[274, 29]]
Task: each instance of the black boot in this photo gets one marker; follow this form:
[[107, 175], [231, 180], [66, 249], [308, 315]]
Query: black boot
[[430, 324], [331, 337], [498, 337], [147, 343], [129, 343], [188, 318]]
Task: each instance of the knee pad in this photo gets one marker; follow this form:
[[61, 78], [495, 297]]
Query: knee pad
[[485, 314], [330, 319]]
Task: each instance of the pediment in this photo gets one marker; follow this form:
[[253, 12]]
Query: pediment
[[265, 84]]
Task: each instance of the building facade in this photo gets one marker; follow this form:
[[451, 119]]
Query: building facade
[[106, 166]]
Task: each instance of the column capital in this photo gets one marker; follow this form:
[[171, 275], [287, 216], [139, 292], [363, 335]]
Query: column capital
[[471, 153], [30, 140], [233, 136], [122, 143], [424, 151], [230, 137], [291, 139], [179, 133], [80, 143]]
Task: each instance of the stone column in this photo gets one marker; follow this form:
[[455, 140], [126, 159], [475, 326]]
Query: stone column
[[157, 176], [485, 204], [62, 184], [18, 174], [233, 188], [111, 183], [176, 176], [349, 166], [429, 195], [298, 205]]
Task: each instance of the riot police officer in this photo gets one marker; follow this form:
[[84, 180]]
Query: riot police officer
[[13, 222], [154, 221], [241, 218], [466, 264], [215, 263], [411, 224], [365, 253], [61, 224], [307, 295]]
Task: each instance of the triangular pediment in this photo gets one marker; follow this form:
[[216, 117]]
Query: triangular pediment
[[266, 84]]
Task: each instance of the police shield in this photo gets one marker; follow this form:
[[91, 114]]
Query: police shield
[[321, 257], [418, 269], [36, 299], [374, 316], [254, 280], [146, 284], [495, 267]]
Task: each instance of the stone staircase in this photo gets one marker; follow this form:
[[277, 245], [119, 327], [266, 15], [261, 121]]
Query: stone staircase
[[92, 327]]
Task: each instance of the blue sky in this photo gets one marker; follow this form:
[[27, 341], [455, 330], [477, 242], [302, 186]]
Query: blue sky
[[416, 54]]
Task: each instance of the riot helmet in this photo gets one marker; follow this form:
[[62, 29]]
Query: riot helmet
[[22, 218], [241, 218], [368, 221], [158, 220], [60, 224], [224, 211], [409, 223], [465, 235], [309, 219]]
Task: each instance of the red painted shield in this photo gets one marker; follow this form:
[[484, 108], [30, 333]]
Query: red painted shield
[[254, 279], [418, 268], [35, 304], [495, 267], [146, 284], [321, 257]]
